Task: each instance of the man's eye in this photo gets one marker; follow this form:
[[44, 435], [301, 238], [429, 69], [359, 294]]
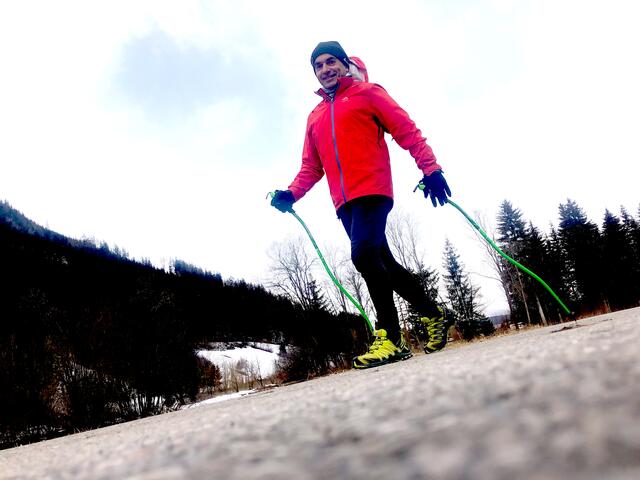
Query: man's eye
[[331, 61]]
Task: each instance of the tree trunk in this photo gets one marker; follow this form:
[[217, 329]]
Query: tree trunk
[[524, 298], [542, 316]]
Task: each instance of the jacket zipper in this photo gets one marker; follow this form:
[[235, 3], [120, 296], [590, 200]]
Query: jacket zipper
[[335, 149]]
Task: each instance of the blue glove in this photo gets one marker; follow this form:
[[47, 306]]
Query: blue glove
[[283, 200], [436, 187]]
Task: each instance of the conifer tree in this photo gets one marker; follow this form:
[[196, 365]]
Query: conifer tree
[[317, 300], [512, 234], [631, 229], [557, 267], [511, 226], [428, 279], [534, 255], [619, 269], [463, 295], [581, 243]]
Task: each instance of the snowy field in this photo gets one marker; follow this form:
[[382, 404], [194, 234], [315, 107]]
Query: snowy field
[[259, 358], [261, 355]]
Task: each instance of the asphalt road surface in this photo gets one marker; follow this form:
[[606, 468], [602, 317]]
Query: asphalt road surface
[[559, 402]]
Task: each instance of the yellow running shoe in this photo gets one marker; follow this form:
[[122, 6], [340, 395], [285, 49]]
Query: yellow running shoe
[[382, 351], [437, 328]]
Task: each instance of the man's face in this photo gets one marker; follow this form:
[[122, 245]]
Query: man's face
[[328, 70]]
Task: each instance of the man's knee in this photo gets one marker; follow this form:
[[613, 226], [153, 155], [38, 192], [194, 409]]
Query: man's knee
[[366, 258]]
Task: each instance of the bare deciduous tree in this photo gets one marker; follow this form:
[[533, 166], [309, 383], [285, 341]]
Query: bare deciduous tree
[[403, 240], [340, 264], [336, 261], [494, 260], [506, 274], [404, 243], [291, 272], [356, 286]]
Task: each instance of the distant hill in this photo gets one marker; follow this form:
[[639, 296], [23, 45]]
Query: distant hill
[[18, 221], [498, 319]]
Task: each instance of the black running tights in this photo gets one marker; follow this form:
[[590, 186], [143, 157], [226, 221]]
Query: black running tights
[[365, 221]]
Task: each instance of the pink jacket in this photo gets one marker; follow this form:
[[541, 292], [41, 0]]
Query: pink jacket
[[345, 140]]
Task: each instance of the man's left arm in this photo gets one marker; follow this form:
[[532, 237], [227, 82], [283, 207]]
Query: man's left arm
[[403, 130]]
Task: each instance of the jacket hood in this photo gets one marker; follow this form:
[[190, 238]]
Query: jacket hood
[[358, 69]]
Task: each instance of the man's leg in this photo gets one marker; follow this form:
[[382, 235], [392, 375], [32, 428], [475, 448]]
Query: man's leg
[[365, 221], [405, 284], [435, 325]]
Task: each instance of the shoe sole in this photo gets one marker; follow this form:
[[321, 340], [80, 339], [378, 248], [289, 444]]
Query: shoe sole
[[398, 358]]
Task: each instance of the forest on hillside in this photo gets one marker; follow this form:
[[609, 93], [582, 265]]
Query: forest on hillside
[[89, 337]]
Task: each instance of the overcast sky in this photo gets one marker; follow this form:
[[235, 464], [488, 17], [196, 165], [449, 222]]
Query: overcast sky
[[161, 126]]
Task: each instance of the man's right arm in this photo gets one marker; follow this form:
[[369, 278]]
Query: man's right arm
[[311, 170]]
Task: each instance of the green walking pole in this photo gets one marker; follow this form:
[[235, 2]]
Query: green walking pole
[[475, 225], [328, 270]]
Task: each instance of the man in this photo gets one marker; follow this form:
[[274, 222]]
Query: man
[[345, 141]]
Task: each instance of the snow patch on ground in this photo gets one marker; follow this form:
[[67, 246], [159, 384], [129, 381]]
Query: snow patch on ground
[[219, 398], [255, 359], [262, 355]]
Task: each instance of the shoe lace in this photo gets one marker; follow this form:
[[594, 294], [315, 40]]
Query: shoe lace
[[377, 343], [435, 328]]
